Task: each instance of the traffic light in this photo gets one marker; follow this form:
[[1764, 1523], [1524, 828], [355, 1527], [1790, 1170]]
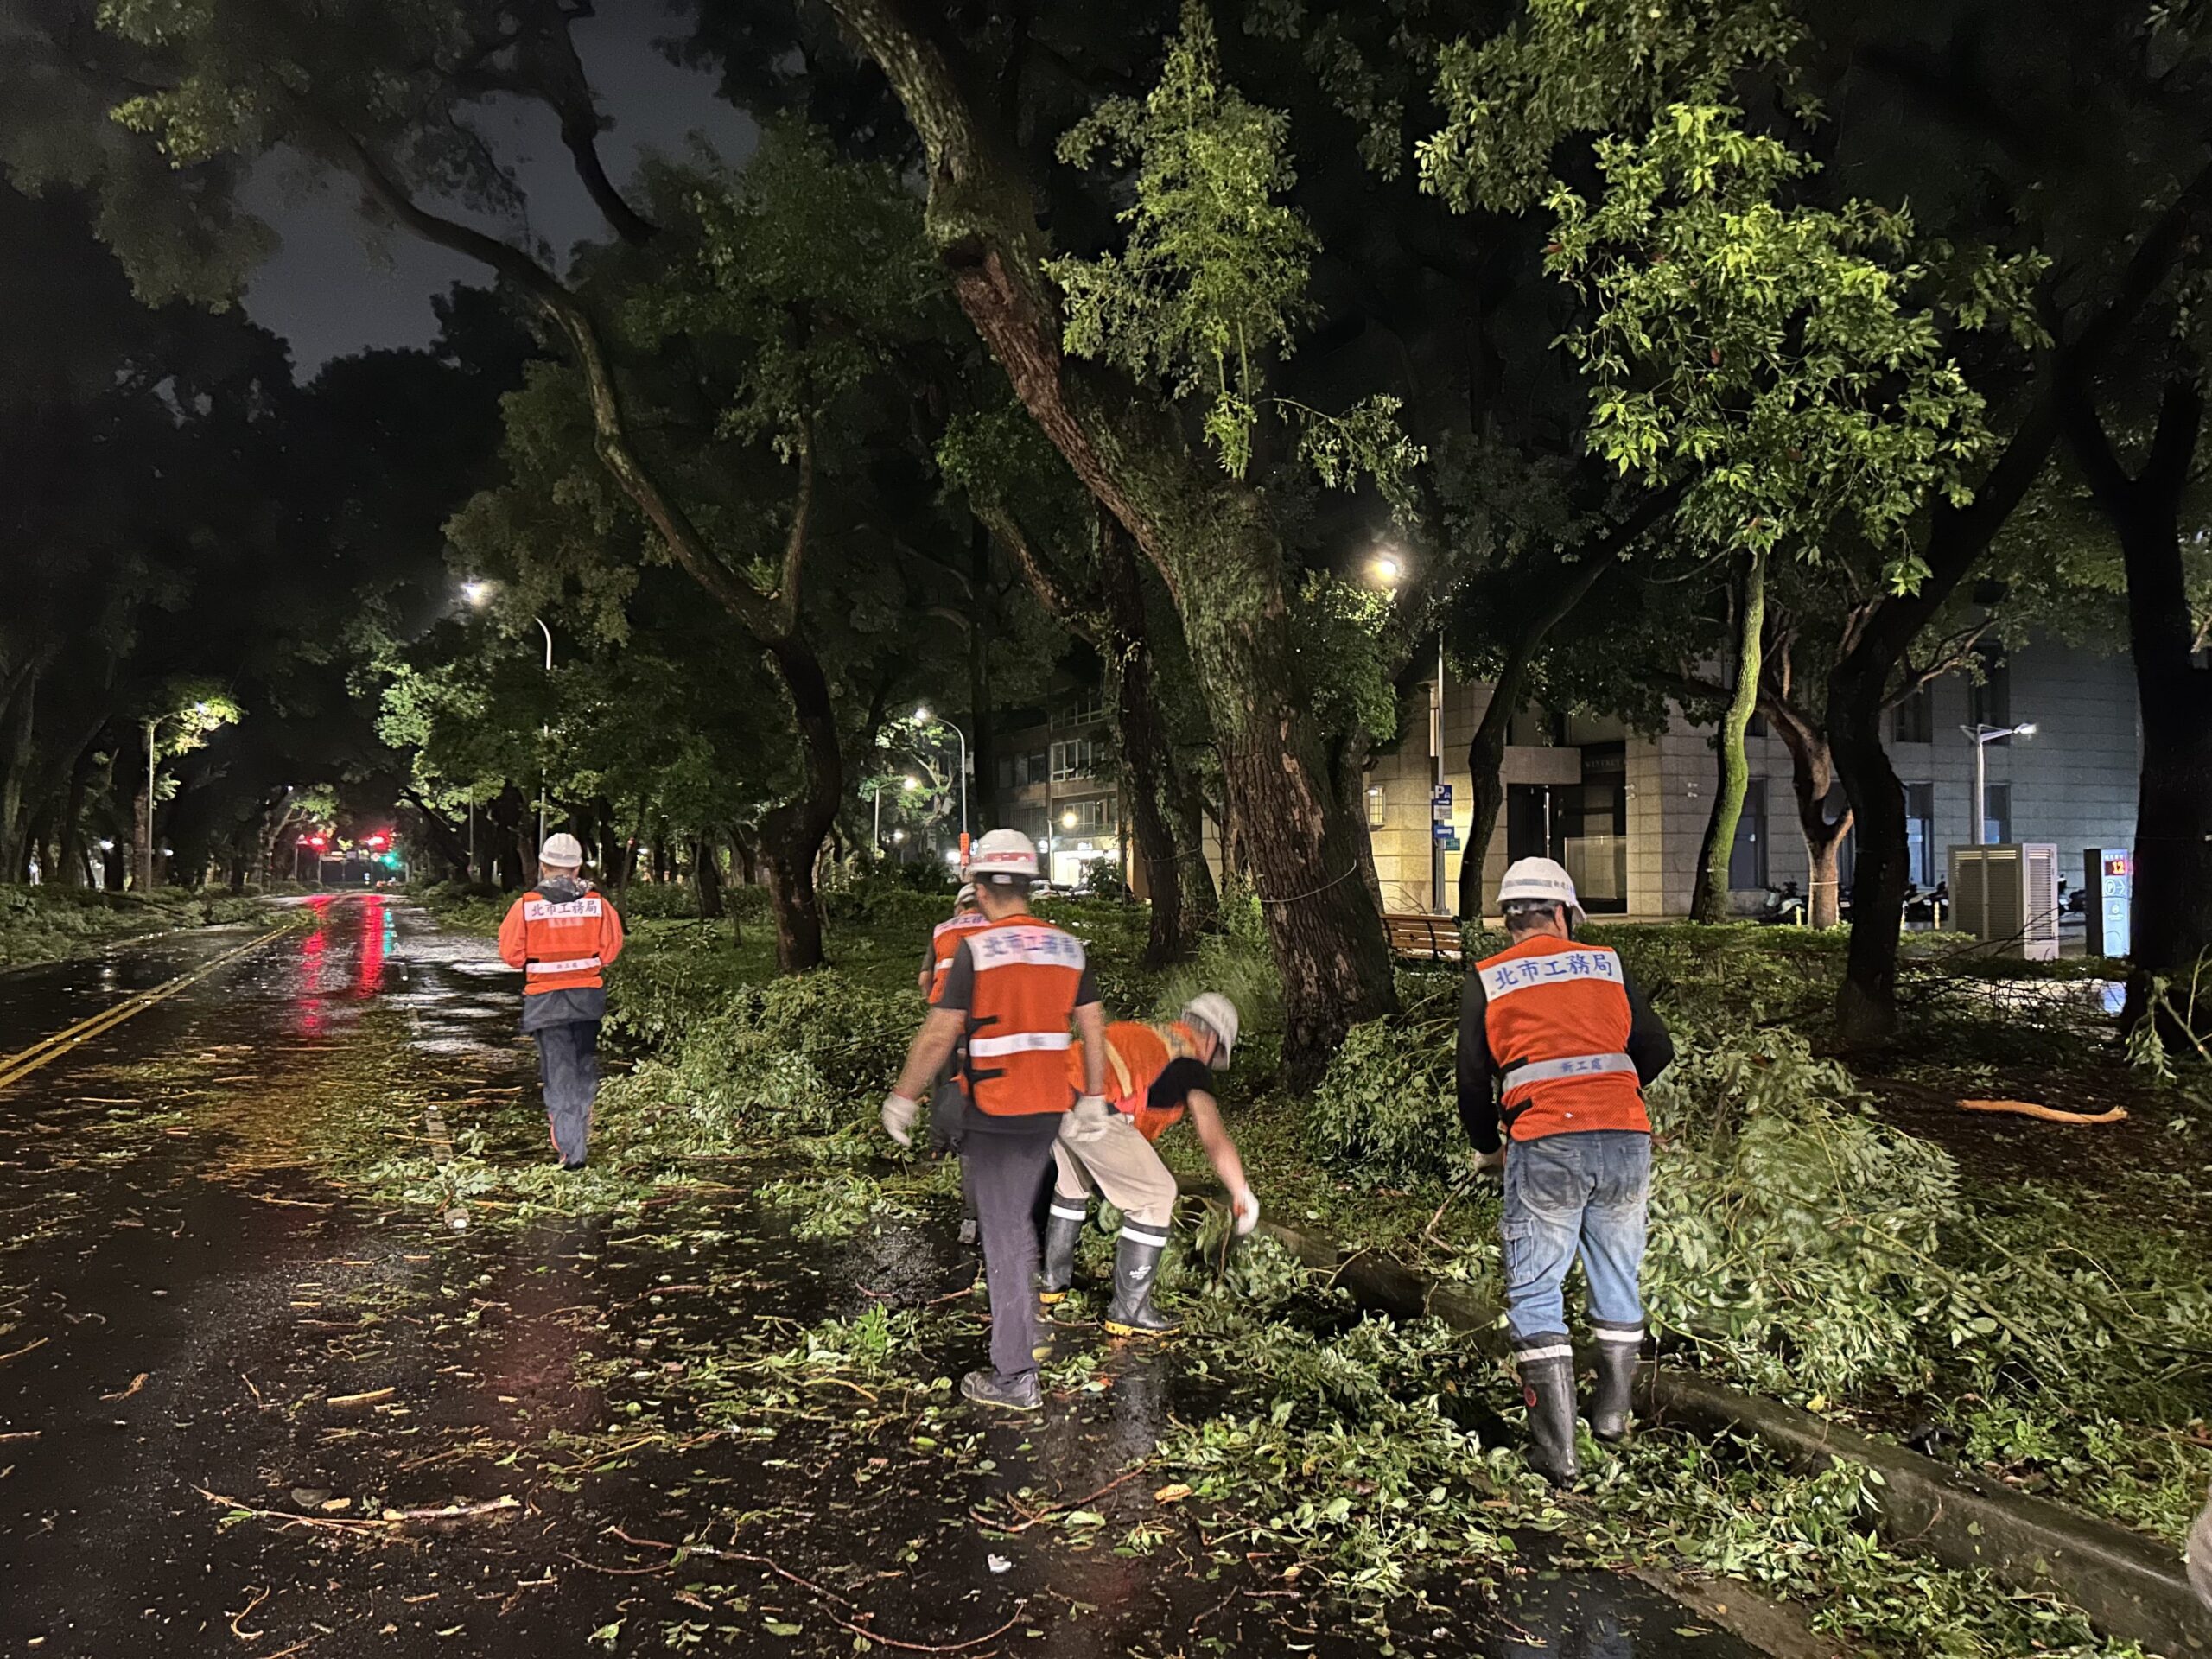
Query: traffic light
[[374, 840], [318, 842]]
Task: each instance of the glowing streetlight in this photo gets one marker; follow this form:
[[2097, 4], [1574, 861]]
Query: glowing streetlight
[[923, 717], [1386, 569], [1068, 819], [909, 784], [478, 594], [1982, 735]]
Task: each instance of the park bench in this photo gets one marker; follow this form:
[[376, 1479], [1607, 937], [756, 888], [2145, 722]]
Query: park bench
[[1431, 938]]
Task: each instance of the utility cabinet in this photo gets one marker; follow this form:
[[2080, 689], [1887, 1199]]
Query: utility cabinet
[[2007, 897]]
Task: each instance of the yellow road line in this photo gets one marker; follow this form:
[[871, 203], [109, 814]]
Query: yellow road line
[[15, 1067]]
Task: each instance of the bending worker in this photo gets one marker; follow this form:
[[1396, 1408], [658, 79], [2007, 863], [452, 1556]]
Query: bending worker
[[1014, 985], [561, 934], [948, 1097], [1153, 1075], [1558, 1025]]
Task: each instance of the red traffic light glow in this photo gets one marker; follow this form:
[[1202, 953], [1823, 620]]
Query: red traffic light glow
[[318, 841], [374, 840]]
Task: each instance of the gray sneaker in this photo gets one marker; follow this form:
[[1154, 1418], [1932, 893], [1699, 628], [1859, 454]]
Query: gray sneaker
[[1011, 1393]]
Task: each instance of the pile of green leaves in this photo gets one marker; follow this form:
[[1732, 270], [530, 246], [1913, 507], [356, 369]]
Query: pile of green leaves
[[46, 924], [798, 1056]]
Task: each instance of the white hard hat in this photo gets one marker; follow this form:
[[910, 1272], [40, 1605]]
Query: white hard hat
[[1218, 1015], [965, 896], [564, 848], [1540, 880], [1004, 852]]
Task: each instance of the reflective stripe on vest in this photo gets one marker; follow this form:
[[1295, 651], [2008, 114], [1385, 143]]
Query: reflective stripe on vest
[[573, 965], [1028, 1042], [1574, 1066], [1027, 974]]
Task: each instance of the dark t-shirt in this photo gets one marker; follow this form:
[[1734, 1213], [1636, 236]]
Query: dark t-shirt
[[1172, 1087]]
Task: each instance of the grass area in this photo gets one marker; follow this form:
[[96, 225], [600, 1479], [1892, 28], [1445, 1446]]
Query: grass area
[[2025, 1299], [49, 924]]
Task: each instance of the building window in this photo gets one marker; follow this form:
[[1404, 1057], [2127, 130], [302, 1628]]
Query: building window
[[1920, 834], [1747, 859], [1074, 757], [1996, 814], [1992, 701], [1091, 817], [1375, 803], [1915, 717], [1020, 770], [1088, 708]]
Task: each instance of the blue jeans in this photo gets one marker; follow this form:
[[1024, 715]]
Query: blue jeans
[[1584, 1192]]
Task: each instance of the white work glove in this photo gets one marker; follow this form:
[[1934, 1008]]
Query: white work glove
[[1483, 1162], [1245, 1209], [898, 1116], [1090, 1121]]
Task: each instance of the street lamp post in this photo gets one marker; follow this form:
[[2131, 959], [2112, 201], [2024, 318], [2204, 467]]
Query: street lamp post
[[1388, 570], [923, 717], [1982, 737]]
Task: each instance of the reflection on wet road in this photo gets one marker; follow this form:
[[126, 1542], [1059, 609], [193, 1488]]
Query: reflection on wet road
[[244, 1407]]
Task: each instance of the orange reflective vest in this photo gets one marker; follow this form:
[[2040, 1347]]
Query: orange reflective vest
[[1027, 975], [1136, 1054], [560, 944], [1557, 1019], [944, 939]]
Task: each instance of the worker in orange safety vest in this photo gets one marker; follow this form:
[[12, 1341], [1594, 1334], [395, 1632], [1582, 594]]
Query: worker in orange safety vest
[[563, 934], [1154, 1076], [1015, 987], [1555, 1028]]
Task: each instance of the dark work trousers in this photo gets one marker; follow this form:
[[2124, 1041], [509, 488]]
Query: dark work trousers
[[1007, 1162], [568, 1066]]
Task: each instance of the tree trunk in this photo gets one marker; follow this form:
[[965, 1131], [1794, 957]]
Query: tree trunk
[[1710, 902], [142, 835], [980, 699], [792, 832], [1201, 911], [1143, 740], [74, 870], [1812, 782], [1211, 536], [706, 875], [748, 854], [1866, 1006], [452, 846], [2173, 930], [1486, 784]]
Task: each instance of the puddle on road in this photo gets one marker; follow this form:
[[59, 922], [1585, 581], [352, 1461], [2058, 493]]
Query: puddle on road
[[218, 1318]]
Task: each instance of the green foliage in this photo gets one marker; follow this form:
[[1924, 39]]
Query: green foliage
[[1346, 655], [1565, 69], [47, 923], [1209, 287], [835, 1206], [1788, 359], [1212, 278], [801, 1055], [1385, 1114]]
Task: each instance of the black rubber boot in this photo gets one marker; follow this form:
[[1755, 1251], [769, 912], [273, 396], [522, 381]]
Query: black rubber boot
[[1620, 1349], [1063, 1228], [1008, 1394], [1546, 1364], [1136, 1268]]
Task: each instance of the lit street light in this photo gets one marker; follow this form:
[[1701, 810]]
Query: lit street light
[[1982, 737]]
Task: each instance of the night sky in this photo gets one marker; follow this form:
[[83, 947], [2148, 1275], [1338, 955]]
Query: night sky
[[331, 290]]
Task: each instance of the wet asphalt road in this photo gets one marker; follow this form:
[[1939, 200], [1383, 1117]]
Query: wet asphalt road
[[221, 1361]]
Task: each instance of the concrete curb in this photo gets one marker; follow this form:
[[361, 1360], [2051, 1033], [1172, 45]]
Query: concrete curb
[[2129, 1587]]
